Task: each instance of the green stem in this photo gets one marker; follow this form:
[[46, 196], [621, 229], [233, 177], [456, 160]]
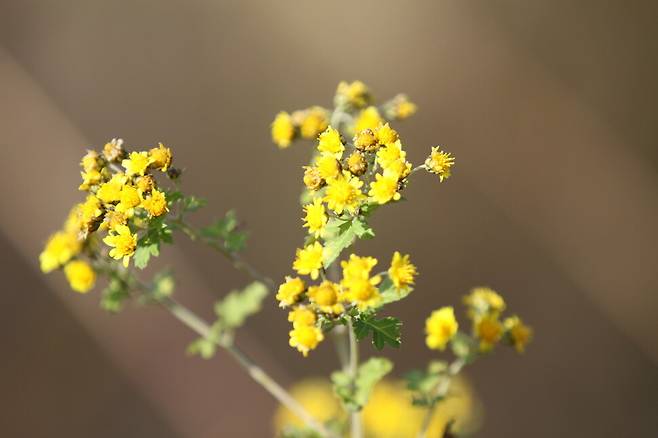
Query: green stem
[[441, 391], [199, 326], [236, 260], [356, 429]]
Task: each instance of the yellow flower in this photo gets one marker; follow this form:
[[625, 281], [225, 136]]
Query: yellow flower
[[344, 193], [90, 178], [283, 130], [129, 200], [289, 292], [489, 330], [316, 217], [401, 272], [400, 107], [365, 140], [114, 219], [355, 94], [390, 153], [369, 118], [305, 338], [358, 287], [312, 178], [357, 164], [110, 191], [301, 316], [384, 189], [156, 204], [59, 249], [91, 213], [160, 157], [308, 261], [440, 163], [397, 169], [80, 275], [484, 300], [137, 163], [386, 134], [329, 142], [325, 297], [328, 166], [314, 122], [520, 334], [145, 184], [318, 399], [113, 151], [90, 161], [123, 243], [440, 328]]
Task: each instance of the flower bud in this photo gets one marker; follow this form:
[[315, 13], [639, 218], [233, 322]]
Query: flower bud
[[357, 164], [365, 140], [113, 151], [312, 178]]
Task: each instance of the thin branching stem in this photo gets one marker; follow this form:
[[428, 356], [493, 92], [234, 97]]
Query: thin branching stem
[[441, 391], [355, 418]]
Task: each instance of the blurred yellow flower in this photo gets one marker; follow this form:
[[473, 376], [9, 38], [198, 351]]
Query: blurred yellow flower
[[369, 118], [283, 130], [402, 271], [289, 292], [329, 142], [520, 334], [80, 275], [315, 121], [59, 249], [440, 328], [308, 261], [488, 330]]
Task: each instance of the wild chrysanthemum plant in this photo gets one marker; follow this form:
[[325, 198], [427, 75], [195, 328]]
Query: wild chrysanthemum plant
[[134, 205]]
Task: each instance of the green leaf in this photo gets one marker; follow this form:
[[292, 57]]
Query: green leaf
[[390, 293], [193, 203], [203, 347], [355, 393], [238, 305], [225, 232], [340, 234], [423, 384], [362, 229], [144, 252], [464, 347], [149, 244], [384, 331], [114, 295]]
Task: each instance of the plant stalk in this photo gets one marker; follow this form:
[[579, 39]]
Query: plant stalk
[[356, 429], [441, 391]]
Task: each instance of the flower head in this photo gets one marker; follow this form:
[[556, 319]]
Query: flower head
[[312, 178], [129, 199], [440, 328], [386, 135], [359, 287], [91, 161], [160, 157], [488, 330], [80, 275], [369, 118], [440, 163], [90, 178], [313, 122], [328, 166], [113, 151], [390, 153], [110, 191], [329, 142], [308, 261], [156, 204], [400, 107], [283, 130], [483, 300], [365, 140], [301, 316], [384, 189], [305, 338], [401, 272], [91, 213], [357, 164], [325, 297], [123, 243], [59, 249], [344, 193], [289, 291], [316, 217], [137, 163], [355, 94], [519, 333]]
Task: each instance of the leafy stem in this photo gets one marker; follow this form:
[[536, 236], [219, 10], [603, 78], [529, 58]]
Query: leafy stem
[[440, 393]]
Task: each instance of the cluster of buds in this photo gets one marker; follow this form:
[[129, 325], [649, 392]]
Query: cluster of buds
[[123, 196], [307, 123]]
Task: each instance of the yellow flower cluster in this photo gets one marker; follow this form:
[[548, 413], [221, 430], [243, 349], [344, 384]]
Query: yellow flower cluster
[[122, 194], [306, 124], [484, 309]]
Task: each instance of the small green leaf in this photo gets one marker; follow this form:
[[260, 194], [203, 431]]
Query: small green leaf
[[144, 252], [355, 393], [340, 234], [238, 305], [385, 331], [193, 203], [114, 295], [464, 347], [390, 293], [225, 232], [205, 348], [362, 229]]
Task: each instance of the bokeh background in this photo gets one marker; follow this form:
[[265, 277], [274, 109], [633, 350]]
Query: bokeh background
[[550, 108]]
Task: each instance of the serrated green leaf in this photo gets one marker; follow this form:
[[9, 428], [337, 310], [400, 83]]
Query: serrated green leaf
[[144, 252], [225, 232], [362, 229], [193, 203], [385, 331], [355, 393], [238, 305], [340, 234]]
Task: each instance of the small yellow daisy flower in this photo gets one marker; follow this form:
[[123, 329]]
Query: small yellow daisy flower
[[488, 330], [160, 157], [440, 163], [398, 169], [344, 193], [316, 217], [137, 163], [440, 328], [80, 275], [302, 316], [59, 249], [390, 153], [283, 130], [384, 189], [329, 142], [289, 292], [315, 121], [520, 334], [328, 166], [110, 191], [156, 204], [308, 261], [402, 271], [386, 135], [123, 243], [305, 338], [325, 297], [129, 200]]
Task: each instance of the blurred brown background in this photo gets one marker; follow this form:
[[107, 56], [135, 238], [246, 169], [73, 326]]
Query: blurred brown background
[[550, 108]]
